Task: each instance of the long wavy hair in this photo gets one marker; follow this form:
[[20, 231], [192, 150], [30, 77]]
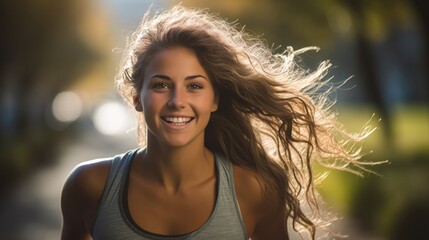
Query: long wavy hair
[[273, 116]]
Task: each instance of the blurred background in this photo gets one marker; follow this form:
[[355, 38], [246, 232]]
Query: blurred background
[[59, 107]]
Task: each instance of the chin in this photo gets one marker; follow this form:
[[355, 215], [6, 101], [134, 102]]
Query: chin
[[176, 142]]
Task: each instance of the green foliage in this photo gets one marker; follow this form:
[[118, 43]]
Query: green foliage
[[394, 203]]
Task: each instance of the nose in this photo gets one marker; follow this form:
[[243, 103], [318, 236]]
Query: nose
[[177, 99]]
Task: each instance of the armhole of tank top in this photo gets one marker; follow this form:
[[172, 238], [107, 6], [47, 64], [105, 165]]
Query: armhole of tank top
[[114, 168], [115, 165], [234, 196], [123, 194], [107, 185]]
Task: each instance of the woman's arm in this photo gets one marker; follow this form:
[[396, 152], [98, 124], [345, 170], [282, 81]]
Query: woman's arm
[[80, 198], [271, 222], [262, 212], [72, 208]]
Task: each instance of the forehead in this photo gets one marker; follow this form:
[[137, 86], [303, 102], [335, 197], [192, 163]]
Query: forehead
[[174, 62]]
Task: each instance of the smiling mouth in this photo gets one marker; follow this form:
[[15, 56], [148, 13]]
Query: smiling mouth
[[177, 120]]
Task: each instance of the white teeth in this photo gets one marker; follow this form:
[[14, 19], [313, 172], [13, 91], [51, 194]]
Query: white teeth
[[178, 120]]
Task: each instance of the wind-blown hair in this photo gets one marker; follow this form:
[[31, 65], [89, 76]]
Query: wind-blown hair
[[273, 116]]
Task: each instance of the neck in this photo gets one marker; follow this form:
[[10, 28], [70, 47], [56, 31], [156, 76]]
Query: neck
[[177, 167]]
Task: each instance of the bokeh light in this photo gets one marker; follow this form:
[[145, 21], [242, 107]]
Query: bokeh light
[[67, 107], [112, 118]]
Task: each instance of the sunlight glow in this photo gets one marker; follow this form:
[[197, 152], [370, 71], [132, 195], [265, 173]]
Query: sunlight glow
[[112, 118]]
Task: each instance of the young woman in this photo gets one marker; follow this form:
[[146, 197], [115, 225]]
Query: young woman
[[229, 133]]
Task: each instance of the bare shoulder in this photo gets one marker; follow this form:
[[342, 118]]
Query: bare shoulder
[[249, 188], [247, 185], [81, 195], [87, 178], [262, 211]]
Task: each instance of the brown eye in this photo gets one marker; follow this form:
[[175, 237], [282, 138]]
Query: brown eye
[[195, 86], [160, 85]]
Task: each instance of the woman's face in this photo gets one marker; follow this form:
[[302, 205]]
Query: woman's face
[[177, 98]]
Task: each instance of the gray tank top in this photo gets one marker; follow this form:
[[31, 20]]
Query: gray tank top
[[113, 221]]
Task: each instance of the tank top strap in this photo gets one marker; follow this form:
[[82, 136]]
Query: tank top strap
[[118, 170], [225, 170], [228, 196]]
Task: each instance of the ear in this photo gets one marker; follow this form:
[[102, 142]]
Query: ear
[[215, 104], [137, 104]]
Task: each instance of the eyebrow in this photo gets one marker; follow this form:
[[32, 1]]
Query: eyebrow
[[164, 77]]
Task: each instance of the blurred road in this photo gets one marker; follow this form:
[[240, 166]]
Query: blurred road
[[32, 210]]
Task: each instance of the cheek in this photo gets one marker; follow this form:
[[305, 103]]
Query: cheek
[[150, 100], [207, 104]]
